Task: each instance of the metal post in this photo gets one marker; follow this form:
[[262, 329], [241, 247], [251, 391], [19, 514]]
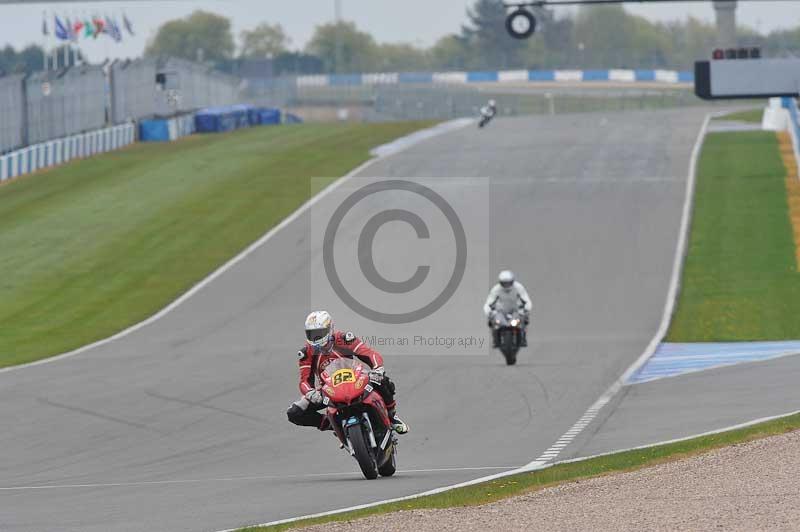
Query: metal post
[[337, 62], [726, 22]]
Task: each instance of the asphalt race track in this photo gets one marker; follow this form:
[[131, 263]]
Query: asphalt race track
[[181, 425]]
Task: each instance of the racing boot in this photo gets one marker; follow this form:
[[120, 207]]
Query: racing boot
[[495, 338], [398, 424], [524, 340]]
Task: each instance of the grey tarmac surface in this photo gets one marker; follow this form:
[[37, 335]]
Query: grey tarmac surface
[[181, 425], [682, 406]]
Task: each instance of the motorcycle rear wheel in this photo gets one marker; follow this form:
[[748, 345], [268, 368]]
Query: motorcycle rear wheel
[[388, 469], [363, 453]]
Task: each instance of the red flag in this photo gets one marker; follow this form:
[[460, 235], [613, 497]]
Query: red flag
[[77, 26], [99, 26]]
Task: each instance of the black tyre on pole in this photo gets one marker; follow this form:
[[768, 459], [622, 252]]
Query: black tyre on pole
[[364, 455], [521, 23]]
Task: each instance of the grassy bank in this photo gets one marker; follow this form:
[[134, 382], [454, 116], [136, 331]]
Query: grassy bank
[[740, 279], [526, 482], [97, 245], [753, 116]]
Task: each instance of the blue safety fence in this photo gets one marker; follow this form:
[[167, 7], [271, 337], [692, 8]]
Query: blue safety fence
[[499, 76], [228, 118]]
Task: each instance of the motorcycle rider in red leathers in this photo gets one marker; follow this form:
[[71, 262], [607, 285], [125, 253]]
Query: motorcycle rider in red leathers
[[324, 344]]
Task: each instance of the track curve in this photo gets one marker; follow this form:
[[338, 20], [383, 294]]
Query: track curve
[[181, 425]]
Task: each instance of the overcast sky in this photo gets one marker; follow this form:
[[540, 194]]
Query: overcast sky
[[419, 22]]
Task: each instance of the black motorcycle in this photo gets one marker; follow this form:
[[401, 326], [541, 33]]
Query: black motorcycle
[[509, 327]]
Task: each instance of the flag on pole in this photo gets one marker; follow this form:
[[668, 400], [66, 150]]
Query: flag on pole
[[71, 30], [77, 26], [88, 28], [45, 31], [99, 26], [127, 24], [113, 30], [60, 30]]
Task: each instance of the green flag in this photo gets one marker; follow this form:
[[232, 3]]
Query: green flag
[[88, 28]]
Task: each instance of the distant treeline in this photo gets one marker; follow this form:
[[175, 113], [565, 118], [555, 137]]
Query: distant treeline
[[592, 37]]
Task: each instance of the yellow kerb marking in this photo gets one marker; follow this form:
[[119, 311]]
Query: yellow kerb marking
[[792, 188]]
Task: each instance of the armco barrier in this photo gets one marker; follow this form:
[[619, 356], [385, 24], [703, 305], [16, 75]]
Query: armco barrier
[[58, 151], [794, 124], [501, 76]]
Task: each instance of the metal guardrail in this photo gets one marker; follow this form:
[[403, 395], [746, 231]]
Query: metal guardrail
[[54, 152]]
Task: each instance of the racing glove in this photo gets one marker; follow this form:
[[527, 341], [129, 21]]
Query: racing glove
[[376, 376], [314, 397]]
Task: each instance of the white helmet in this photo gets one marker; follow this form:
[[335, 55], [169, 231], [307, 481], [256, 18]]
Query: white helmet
[[492, 103], [506, 278], [319, 328]]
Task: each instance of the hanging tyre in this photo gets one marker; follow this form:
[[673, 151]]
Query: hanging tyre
[[521, 23]]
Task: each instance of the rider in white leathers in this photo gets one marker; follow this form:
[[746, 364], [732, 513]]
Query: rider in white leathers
[[507, 296]]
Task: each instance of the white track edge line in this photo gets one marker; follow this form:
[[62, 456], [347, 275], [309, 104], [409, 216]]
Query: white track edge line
[[672, 294], [536, 466], [541, 462], [439, 129]]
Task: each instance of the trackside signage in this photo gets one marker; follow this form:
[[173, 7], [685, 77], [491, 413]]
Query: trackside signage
[[749, 78]]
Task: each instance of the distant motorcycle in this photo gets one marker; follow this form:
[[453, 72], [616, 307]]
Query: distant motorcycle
[[359, 417], [488, 112], [509, 327]]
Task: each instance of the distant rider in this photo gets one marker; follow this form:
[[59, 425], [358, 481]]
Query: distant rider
[[488, 112], [507, 296], [323, 345], [490, 109]]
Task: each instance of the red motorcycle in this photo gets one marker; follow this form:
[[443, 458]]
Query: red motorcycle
[[358, 416]]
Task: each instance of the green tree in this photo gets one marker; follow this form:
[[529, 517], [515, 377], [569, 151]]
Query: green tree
[[201, 33], [613, 38], [358, 50], [486, 34], [553, 45], [265, 40], [451, 52], [29, 59], [401, 58]]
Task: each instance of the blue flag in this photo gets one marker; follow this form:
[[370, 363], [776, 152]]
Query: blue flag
[[113, 29], [61, 31]]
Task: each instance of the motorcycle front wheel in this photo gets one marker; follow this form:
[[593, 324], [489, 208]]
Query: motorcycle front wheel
[[363, 452], [508, 346]]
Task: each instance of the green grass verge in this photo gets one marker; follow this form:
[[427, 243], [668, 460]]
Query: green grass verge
[[752, 115], [94, 246], [526, 482], [740, 279]]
